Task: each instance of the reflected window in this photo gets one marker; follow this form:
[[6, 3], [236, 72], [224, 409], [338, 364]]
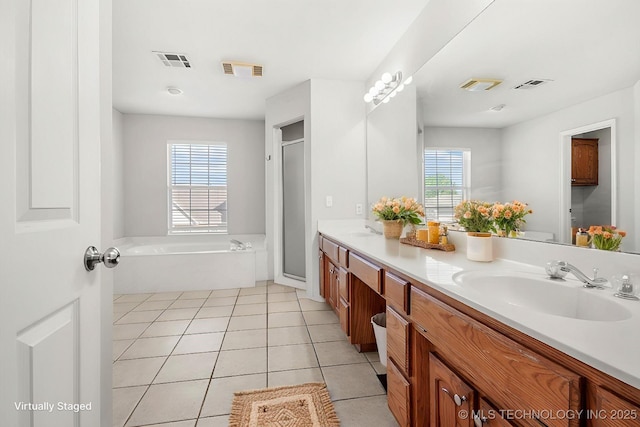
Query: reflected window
[[197, 187], [446, 181]]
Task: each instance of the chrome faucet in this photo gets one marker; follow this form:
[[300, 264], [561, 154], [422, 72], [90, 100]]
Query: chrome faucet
[[559, 269], [373, 230]]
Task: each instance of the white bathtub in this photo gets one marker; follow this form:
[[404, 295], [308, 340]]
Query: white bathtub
[[188, 263]]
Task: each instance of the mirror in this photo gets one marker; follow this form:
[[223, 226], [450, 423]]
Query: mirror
[[576, 66]]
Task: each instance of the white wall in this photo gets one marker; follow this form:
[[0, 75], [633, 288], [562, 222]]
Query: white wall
[[532, 161], [486, 156], [145, 169]]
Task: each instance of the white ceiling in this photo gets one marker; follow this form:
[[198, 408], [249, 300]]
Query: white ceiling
[[294, 39], [587, 47]]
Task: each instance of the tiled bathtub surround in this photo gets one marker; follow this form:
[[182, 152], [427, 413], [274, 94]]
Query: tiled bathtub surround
[[180, 356]]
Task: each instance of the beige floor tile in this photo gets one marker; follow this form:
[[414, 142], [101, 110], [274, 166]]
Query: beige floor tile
[[274, 288], [178, 314], [214, 324], [241, 362], [186, 423], [169, 402], [379, 368], [124, 400], [282, 296], [372, 356], [291, 318], [365, 411], [252, 299], [187, 367], [311, 305], [324, 333], [253, 291], [338, 353], [302, 293], [119, 347], [139, 317], [195, 295], [223, 311], [241, 323], [166, 328], [298, 376], [288, 336], [220, 393], [127, 373], [118, 316], [220, 301], [164, 296], [351, 381], [320, 317], [124, 307], [288, 357], [263, 283], [187, 303], [224, 293], [250, 309], [152, 305], [129, 331], [221, 421], [133, 297], [284, 306], [150, 347], [116, 296], [199, 343], [237, 340]]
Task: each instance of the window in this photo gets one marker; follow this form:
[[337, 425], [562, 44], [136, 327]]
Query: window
[[446, 181], [197, 188]]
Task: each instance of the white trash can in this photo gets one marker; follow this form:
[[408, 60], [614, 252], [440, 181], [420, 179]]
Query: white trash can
[[379, 322]]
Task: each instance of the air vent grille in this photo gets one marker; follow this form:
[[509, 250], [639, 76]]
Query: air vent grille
[[178, 60], [532, 84], [241, 69]]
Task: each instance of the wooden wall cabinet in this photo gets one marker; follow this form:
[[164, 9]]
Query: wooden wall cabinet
[[584, 162]]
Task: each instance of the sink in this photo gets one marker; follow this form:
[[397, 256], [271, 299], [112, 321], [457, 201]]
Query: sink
[[538, 293]]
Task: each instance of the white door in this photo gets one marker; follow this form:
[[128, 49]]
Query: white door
[[50, 131]]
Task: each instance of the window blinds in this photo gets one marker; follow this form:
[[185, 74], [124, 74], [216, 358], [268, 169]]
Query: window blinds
[[444, 182]]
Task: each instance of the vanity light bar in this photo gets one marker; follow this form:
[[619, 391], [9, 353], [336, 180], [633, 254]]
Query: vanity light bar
[[386, 88]]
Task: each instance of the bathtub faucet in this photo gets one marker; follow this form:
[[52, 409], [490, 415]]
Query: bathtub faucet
[[240, 245]]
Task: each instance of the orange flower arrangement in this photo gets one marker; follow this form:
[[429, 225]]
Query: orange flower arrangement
[[606, 237], [510, 216]]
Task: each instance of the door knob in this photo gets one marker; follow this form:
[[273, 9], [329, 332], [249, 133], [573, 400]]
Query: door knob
[[110, 258]]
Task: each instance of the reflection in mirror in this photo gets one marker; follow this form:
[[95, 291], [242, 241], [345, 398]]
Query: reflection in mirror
[[577, 61]]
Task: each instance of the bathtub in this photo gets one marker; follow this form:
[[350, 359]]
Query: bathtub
[[188, 263]]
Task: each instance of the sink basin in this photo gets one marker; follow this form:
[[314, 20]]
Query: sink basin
[[541, 294]]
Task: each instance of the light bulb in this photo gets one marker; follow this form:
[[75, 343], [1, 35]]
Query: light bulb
[[368, 97], [408, 80], [379, 85], [373, 91], [387, 99], [400, 88], [392, 94], [386, 78]]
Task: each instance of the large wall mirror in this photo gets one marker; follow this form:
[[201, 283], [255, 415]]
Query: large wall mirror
[[577, 66]]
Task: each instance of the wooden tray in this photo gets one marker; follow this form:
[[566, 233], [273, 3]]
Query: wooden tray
[[449, 247]]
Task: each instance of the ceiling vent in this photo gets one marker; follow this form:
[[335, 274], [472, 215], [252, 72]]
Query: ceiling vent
[[476, 85], [174, 59], [532, 84], [241, 69]]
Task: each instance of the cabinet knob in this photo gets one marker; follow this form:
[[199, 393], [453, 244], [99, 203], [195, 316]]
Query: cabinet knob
[[479, 421], [456, 398], [573, 180]]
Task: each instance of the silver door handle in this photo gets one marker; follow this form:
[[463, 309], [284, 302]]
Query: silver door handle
[[110, 258]]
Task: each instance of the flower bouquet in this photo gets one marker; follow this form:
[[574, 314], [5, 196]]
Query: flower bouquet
[[606, 237], [396, 213], [475, 216], [509, 217]]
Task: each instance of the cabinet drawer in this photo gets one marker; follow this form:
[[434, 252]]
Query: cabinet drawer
[[398, 340], [369, 273], [343, 256], [515, 377], [396, 292], [615, 411], [343, 311], [343, 284], [331, 249], [398, 395]]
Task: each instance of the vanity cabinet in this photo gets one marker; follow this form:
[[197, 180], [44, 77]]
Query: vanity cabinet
[[584, 162], [611, 410], [451, 398]]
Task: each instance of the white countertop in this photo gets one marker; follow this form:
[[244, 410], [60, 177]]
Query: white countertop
[[611, 347]]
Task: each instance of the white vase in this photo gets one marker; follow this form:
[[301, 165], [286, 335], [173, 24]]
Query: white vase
[[479, 247]]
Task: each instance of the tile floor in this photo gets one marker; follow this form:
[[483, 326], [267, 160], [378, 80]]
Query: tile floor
[[179, 356]]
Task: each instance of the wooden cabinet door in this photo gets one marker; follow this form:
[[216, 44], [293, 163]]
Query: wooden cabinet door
[[584, 161], [398, 395], [451, 398], [613, 411], [398, 340], [489, 416], [331, 282], [322, 268], [343, 312]]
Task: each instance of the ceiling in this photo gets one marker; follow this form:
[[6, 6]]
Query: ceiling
[[294, 40], [587, 47]]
